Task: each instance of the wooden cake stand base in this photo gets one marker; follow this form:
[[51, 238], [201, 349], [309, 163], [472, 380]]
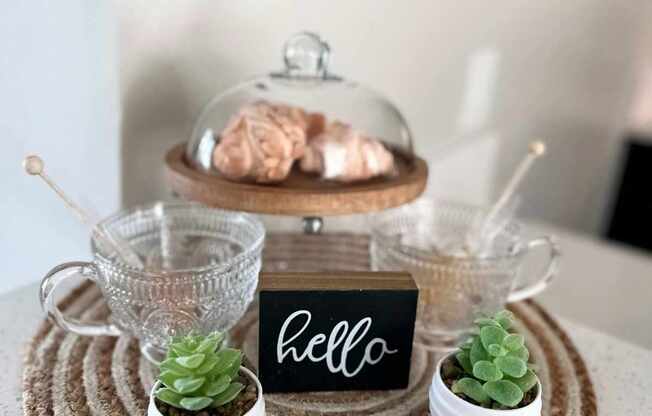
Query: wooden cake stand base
[[300, 194]]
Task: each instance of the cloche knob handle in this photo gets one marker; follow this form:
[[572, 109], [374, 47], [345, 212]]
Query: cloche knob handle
[[306, 55]]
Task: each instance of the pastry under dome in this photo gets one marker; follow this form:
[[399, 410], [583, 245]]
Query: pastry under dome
[[300, 141], [304, 92]]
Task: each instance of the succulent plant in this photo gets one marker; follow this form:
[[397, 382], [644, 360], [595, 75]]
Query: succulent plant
[[197, 373], [494, 363]]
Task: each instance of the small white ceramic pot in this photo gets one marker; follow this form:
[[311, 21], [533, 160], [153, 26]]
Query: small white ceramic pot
[[444, 402], [257, 410]]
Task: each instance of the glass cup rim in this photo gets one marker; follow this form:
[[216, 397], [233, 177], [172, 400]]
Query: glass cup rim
[[133, 272], [380, 238], [457, 262]]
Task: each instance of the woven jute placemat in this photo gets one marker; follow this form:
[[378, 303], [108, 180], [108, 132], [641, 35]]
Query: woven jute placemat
[[66, 374]]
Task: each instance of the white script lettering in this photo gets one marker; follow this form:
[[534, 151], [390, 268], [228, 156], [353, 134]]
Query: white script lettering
[[337, 336]]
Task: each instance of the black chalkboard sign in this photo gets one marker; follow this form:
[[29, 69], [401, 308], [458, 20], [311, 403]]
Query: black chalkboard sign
[[336, 331]]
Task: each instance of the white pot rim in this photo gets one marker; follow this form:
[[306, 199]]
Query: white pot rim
[[258, 409], [439, 387]]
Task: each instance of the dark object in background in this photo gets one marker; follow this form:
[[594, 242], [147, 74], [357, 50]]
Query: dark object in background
[[335, 331], [631, 219]]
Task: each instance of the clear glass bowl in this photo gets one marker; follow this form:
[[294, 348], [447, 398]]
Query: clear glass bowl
[[455, 289], [201, 273], [306, 83]]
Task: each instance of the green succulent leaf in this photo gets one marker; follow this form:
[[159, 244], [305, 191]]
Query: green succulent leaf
[[514, 342], [191, 342], [492, 335], [525, 383], [210, 343], [168, 378], [226, 358], [232, 371], [505, 318], [471, 388], [464, 361], [168, 396], [218, 386], [195, 403], [478, 353], [227, 395], [504, 392], [486, 322], [512, 366], [521, 353], [496, 350], [188, 384], [191, 361], [180, 349], [171, 365], [208, 365], [486, 371]]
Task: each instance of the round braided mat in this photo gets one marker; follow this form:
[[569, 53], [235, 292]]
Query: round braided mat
[[66, 374]]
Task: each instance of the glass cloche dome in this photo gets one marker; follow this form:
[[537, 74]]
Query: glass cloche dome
[[300, 141], [304, 118]]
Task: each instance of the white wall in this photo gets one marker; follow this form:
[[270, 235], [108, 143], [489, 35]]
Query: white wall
[[560, 70], [58, 98]]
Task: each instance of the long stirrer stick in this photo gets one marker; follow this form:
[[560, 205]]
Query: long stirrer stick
[[480, 238], [536, 150], [34, 166]]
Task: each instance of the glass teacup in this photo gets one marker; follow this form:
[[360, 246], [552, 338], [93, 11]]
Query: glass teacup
[[454, 289], [201, 273]]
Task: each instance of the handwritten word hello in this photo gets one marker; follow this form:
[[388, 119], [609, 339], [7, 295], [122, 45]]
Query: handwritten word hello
[[339, 335]]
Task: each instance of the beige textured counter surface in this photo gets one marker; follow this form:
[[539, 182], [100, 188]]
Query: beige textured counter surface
[[619, 370]]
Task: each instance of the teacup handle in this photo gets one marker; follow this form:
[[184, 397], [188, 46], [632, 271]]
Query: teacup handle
[[538, 285], [46, 295]]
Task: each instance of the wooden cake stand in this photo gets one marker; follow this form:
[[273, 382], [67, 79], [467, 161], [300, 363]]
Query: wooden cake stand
[[300, 194]]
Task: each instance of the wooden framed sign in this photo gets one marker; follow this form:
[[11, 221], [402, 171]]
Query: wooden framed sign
[[335, 331]]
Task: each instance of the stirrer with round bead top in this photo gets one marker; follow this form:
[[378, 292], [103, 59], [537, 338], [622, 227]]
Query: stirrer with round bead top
[[34, 166], [479, 238]]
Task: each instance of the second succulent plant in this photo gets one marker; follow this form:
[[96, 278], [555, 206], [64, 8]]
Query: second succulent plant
[[494, 363]]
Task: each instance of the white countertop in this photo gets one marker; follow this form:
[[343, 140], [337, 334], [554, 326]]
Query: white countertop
[[601, 286]]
